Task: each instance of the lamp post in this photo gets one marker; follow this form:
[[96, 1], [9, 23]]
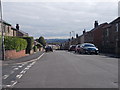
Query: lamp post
[[73, 34], [3, 49]]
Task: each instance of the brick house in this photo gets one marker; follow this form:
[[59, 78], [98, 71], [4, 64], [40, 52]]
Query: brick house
[[7, 29], [97, 35], [21, 33], [111, 37], [14, 31], [94, 36], [88, 37], [105, 36]]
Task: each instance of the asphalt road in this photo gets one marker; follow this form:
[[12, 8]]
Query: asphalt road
[[62, 69]]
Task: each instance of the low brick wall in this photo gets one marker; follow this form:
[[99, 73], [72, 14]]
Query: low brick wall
[[12, 54]]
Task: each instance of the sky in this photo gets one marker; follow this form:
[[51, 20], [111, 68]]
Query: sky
[[57, 18]]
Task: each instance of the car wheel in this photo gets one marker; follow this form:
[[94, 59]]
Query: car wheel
[[96, 53]]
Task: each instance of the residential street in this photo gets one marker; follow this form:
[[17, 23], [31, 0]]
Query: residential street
[[62, 69]]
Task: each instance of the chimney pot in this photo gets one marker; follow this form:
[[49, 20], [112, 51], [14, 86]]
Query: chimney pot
[[95, 24], [17, 26], [84, 31]]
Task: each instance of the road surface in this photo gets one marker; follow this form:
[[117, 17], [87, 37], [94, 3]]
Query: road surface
[[62, 69]]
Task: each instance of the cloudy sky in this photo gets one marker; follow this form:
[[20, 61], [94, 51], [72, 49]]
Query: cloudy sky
[[56, 19]]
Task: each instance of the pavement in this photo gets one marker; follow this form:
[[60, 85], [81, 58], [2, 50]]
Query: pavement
[[23, 59], [110, 55]]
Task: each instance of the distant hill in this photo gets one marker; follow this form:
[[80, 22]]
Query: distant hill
[[56, 40]]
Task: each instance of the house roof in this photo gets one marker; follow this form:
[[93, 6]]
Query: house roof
[[116, 20], [107, 26], [22, 32], [14, 28], [4, 22], [101, 25]]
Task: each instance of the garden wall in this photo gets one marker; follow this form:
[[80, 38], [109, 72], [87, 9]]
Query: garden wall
[[12, 54]]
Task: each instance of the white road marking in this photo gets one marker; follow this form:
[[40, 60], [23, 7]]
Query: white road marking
[[7, 85], [15, 68], [12, 72], [20, 66], [23, 63], [40, 56], [14, 82], [33, 63], [26, 68], [19, 76], [5, 76], [23, 72]]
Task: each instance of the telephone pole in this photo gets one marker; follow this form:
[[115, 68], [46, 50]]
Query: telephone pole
[[2, 31]]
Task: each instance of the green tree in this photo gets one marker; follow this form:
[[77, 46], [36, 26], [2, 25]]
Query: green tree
[[42, 41]]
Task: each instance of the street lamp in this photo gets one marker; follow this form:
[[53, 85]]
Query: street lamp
[[3, 49], [73, 34], [70, 35]]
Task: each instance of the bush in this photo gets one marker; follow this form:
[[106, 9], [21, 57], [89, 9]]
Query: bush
[[15, 43], [42, 41], [30, 42], [35, 48], [39, 45]]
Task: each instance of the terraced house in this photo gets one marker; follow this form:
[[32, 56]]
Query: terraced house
[[9, 30], [105, 36], [111, 37]]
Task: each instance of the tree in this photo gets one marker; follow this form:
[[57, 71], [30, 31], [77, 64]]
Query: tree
[[42, 41]]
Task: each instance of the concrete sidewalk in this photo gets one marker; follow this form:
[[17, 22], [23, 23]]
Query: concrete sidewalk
[[110, 55], [23, 59]]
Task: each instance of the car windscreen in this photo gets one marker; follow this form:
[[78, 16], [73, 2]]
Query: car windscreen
[[89, 45]]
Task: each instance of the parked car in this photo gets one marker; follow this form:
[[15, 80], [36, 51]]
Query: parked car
[[88, 48], [72, 48], [77, 48], [48, 48]]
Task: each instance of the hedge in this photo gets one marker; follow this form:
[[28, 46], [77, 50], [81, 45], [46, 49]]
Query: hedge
[[39, 45], [30, 42], [15, 43], [35, 48]]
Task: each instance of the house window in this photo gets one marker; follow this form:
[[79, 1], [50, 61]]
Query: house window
[[8, 30], [4, 28], [107, 32], [117, 27]]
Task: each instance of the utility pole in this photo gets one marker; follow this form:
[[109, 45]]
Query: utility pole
[[70, 35], [3, 48], [73, 34]]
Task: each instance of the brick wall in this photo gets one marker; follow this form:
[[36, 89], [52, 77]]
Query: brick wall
[[12, 54]]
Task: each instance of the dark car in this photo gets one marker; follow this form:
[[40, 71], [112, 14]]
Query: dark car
[[88, 48], [72, 48], [48, 48]]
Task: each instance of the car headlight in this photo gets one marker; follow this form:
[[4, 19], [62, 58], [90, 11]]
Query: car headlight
[[97, 49]]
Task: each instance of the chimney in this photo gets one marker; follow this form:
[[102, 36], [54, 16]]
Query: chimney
[[95, 24], [84, 31], [72, 38], [77, 36], [17, 26]]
